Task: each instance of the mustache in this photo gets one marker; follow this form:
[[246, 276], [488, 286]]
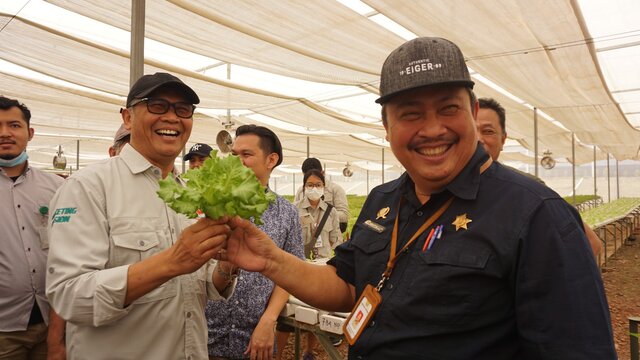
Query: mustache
[[439, 140]]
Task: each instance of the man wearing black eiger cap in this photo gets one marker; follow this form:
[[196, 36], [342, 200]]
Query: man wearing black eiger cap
[[459, 258]]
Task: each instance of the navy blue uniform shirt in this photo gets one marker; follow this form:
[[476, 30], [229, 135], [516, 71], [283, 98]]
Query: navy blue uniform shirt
[[520, 282]]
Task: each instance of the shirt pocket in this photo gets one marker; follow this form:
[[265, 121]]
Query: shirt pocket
[[41, 225], [371, 252], [452, 281], [133, 240]]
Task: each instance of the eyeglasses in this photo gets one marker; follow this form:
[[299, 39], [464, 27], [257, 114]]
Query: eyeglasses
[[311, 186], [161, 106]]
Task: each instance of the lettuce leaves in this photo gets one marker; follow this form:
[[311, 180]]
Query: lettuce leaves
[[222, 186]]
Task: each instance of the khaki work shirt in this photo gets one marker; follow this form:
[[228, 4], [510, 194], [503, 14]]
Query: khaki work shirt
[[105, 218], [335, 195], [23, 249], [330, 235]]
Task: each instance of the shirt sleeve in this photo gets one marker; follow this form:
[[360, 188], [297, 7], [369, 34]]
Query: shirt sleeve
[[560, 304], [335, 236], [340, 203], [293, 243], [78, 285]]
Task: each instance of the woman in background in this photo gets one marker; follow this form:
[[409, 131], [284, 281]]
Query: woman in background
[[319, 237]]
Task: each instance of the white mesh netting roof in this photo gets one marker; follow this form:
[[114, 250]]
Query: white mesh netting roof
[[309, 69]]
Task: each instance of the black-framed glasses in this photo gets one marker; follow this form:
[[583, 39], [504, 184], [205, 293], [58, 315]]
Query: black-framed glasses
[[161, 106]]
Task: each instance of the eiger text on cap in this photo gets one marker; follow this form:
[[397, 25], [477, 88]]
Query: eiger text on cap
[[422, 62], [149, 83], [198, 149]]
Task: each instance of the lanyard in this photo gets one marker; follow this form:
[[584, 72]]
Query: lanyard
[[393, 257]]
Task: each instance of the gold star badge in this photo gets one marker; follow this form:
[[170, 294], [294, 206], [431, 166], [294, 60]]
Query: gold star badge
[[382, 213], [461, 222]]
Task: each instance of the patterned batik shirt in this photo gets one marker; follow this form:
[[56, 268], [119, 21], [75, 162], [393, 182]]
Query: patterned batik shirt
[[231, 323]]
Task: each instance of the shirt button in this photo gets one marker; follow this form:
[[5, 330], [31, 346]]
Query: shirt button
[[156, 172], [51, 270], [141, 242], [28, 249], [23, 228], [390, 286], [233, 326], [33, 271], [189, 314], [18, 206], [372, 323], [419, 213]]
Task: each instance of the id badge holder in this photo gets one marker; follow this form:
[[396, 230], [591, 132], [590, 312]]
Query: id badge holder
[[361, 314], [318, 243]]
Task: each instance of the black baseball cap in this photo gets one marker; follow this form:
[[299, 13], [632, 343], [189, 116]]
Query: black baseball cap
[[149, 83], [198, 149], [424, 61]]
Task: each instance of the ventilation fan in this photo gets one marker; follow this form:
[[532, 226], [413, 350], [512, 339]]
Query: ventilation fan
[[347, 172], [224, 139], [59, 160], [547, 161]]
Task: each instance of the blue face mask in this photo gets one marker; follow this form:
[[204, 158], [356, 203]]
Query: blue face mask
[[15, 161]]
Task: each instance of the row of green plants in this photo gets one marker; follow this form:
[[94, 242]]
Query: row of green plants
[[609, 211]]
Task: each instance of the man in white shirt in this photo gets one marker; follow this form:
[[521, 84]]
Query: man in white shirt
[[127, 273]]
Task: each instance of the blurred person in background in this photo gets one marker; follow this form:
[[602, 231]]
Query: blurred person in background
[[25, 192]]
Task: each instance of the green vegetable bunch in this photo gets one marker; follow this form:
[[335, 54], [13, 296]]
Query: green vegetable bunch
[[221, 186]]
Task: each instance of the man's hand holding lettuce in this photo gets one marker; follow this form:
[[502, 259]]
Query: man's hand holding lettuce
[[221, 186]]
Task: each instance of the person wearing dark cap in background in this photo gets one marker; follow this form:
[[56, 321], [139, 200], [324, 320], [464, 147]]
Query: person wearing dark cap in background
[[129, 275], [334, 194], [29, 328], [198, 153], [459, 258], [122, 138], [243, 327], [492, 132]]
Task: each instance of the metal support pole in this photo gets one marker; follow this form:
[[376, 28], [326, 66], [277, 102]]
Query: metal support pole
[[308, 147], [367, 182], [294, 185], [608, 181], [535, 140], [595, 188], [77, 154], [573, 166], [136, 61], [617, 180], [183, 162]]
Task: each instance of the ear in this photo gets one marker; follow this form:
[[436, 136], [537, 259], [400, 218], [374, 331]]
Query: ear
[[31, 132], [126, 118], [272, 160], [474, 111], [112, 151]]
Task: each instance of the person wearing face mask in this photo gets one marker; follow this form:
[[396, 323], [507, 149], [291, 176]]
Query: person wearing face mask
[[320, 228], [319, 237]]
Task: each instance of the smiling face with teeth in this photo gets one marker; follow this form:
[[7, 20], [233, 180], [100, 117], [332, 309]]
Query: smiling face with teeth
[[432, 133], [158, 137]]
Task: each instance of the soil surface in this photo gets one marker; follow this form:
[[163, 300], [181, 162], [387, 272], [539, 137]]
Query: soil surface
[[621, 279], [622, 282]]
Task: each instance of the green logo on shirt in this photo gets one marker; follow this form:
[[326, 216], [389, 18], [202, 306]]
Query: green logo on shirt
[[63, 215]]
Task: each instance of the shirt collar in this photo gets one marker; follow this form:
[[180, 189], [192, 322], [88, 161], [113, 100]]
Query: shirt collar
[[138, 163]]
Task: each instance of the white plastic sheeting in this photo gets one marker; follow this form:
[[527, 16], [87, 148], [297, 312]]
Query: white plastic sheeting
[[542, 53]]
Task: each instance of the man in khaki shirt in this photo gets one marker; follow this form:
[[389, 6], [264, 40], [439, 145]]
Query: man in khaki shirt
[[126, 272]]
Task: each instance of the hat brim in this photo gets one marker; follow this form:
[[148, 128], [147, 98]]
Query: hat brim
[[190, 95], [464, 83]]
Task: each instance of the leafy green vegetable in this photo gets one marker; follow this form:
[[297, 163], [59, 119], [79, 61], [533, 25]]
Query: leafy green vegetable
[[221, 186]]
